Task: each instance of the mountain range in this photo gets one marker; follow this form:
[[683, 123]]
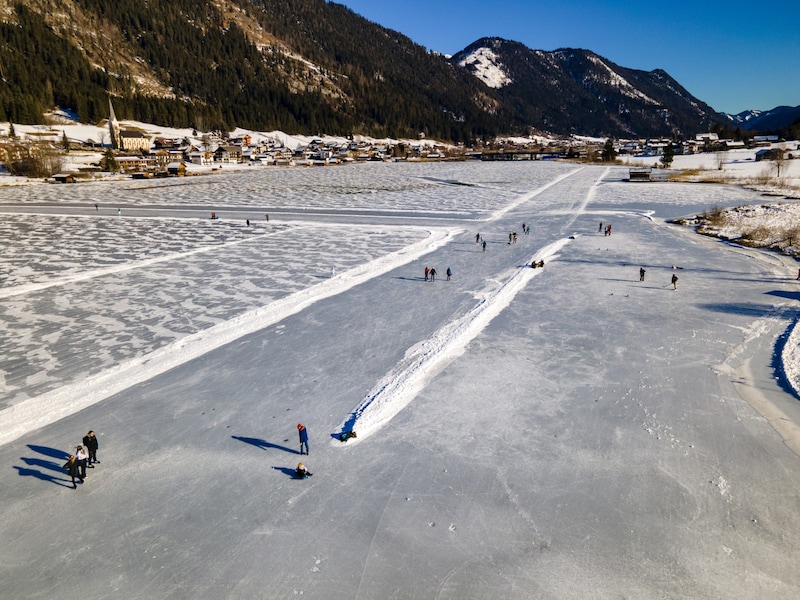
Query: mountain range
[[766, 120], [311, 66]]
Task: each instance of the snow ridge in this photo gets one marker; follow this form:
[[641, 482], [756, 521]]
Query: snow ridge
[[401, 385]]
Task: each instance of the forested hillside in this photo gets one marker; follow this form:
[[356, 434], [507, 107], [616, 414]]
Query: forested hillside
[[301, 66]]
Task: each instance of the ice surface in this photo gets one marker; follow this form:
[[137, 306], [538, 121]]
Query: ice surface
[[564, 432]]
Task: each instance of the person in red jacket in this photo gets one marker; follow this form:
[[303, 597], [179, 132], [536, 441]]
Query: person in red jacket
[[303, 438]]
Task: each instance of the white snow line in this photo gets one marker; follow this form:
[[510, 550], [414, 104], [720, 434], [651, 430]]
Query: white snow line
[[36, 287], [527, 196], [52, 406], [402, 384]]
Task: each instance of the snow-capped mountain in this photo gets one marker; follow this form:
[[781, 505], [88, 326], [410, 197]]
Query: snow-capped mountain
[[580, 91], [765, 120]]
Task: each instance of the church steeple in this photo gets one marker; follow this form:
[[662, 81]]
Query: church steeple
[[113, 125]]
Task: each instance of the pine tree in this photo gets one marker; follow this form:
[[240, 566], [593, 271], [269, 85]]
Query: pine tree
[[609, 153], [669, 154]]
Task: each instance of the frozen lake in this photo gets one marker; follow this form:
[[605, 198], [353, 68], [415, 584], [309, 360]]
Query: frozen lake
[[568, 432]]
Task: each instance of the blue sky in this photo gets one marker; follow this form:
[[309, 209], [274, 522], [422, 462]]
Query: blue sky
[[733, 55]]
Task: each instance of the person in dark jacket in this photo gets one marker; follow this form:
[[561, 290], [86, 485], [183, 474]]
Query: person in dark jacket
[[91, 445], [301, 472], [641, 273], [303, 432], [73, 469]]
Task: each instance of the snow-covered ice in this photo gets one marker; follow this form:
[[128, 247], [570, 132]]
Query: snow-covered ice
[[563, 432]]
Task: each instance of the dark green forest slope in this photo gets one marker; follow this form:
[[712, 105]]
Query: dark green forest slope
[[301, 66]]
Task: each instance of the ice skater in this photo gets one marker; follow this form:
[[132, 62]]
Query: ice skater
[[303, 433], [427, 272], [477, 238], [433, 274], [483, 245], [674, 281], [641, 273], [449, 273]]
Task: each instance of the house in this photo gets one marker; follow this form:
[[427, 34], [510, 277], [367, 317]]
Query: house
[[133, 141], [200, 157], [228, 154], [766, 154], [176, 169], [133, 164], [64, 178]]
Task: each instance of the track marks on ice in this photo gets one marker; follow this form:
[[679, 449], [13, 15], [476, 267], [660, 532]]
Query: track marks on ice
[[425, 360]]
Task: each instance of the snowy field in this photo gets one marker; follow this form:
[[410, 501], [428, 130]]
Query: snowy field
[[563, 432]]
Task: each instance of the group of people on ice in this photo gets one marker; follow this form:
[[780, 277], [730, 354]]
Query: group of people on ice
[[430, 273], [85, 456]]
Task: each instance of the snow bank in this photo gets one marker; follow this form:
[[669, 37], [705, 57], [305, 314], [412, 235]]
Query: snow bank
[[790, 358]]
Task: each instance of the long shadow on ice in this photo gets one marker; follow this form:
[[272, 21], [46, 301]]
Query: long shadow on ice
[[748, 310], [23, 472], [287, 471], [47, 451], [784, 294], [45, 465], [264, 444]]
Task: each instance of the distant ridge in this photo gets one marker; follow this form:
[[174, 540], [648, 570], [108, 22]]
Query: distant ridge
[[768, 120]]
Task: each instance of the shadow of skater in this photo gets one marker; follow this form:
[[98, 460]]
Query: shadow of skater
[[263, 444], [45, 465], [23, 472], [291, 473], [47, 451]]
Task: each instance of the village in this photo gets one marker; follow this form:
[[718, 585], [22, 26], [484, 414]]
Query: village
[[63, 152]]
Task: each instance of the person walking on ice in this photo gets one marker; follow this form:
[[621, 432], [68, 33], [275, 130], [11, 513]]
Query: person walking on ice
[[72, 468], [449, 273], [303, 433], [433, 274], [427, 271], [674, 281], [641, 273], [483, 245]]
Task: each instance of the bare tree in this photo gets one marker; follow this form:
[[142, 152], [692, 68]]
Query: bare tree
[[780, 161]]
